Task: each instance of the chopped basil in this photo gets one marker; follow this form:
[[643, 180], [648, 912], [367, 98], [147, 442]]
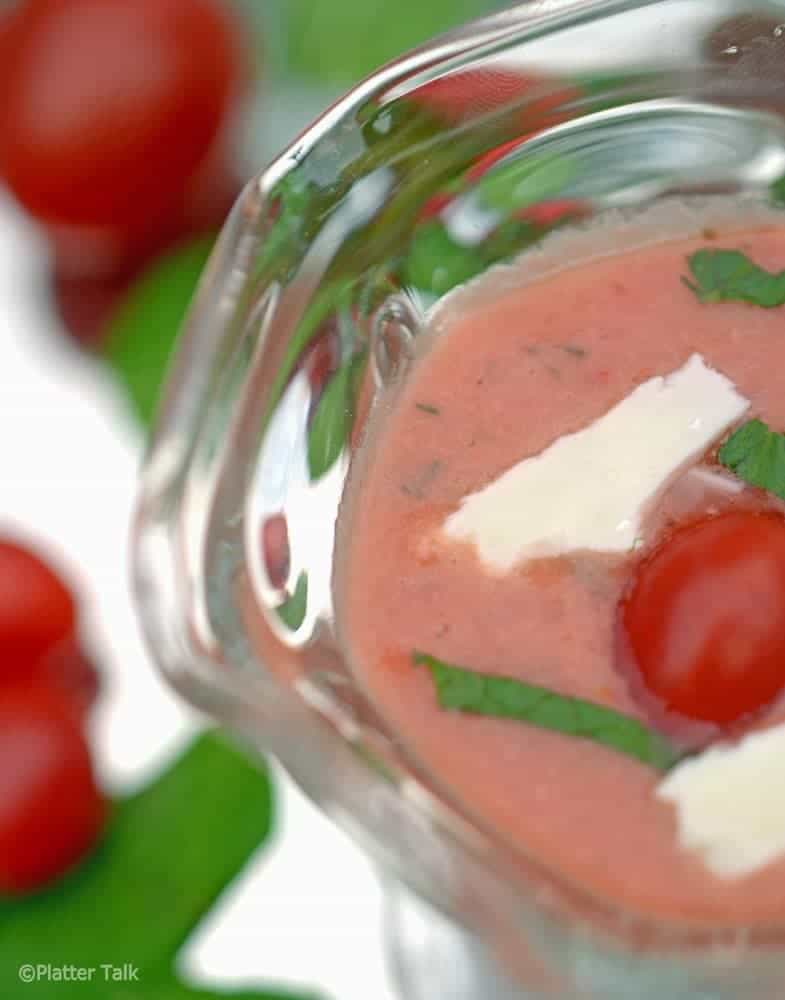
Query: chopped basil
[[427, 408], [506, 698], [575, 351], [756, 454], [730, 276], [419, 484]]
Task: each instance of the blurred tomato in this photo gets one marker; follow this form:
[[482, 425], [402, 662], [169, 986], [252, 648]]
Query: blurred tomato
[[39, 644], [87, 287], [51, 811], [67, 670], [122, 253], [112, 111], [36, 609], [94, 271], [85, 304]]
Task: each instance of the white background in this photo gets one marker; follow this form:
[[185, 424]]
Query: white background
[[308, 910]]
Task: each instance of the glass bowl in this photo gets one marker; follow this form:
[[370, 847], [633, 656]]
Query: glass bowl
[[459, 155]]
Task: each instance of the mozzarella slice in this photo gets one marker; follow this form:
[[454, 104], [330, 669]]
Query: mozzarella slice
[[729, 803], [588, 490]]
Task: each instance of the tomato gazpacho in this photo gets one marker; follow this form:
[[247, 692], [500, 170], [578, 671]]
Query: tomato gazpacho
[[562, 578]]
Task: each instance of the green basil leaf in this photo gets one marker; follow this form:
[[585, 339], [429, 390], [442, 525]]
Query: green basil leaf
[[332, 421], [436, 263], [730, 276], [331, 298], [777, 191], [756, 454], [292, 611], [340, 41], [467, 691], [144, 330]]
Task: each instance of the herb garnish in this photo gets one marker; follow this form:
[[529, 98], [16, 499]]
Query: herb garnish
[[730, 276], [332, 422], [427, 408], [575, 351], [756, 454], [417, 487], [506, 698], [292, 611]]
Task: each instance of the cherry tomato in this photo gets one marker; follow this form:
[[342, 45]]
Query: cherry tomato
[[51, 811], [703, 624], [66, 668], [110, 108], [85, 305], [87, 289], [37, 610], [102, 255]]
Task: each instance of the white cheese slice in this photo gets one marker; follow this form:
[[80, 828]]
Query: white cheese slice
[[588, 490], [730, 804]]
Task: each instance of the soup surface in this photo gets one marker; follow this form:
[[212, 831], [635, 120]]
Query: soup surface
[[511, 364]]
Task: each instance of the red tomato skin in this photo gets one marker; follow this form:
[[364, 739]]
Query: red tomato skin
[[67, 670], [90, 280], [51, 811], [82, 255], [85, 305], [37, 610], [110, 108], [39, 641], [702, 626]]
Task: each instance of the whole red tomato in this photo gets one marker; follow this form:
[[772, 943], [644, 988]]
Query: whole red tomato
[[37, 610], [703, 625], [51, 811], [39, 643], [111, 108]]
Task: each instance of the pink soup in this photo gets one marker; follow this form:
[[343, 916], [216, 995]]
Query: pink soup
[[510, 364]]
